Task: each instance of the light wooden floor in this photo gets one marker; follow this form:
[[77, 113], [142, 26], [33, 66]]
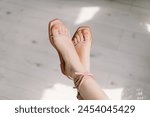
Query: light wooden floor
[[120, 58]]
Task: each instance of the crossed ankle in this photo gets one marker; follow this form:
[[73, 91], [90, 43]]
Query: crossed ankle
[[80, 77]]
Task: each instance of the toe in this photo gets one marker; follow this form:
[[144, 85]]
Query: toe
[[55, 29], [66, 31], [86, 34], [77, 38], [63, 30], [52, 24], [75, 41], [81, 36]]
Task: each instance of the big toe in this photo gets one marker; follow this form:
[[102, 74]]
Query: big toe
[[54, 27], [55, 30]]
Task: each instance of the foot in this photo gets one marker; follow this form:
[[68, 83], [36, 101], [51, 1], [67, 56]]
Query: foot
[[61, 40], [82, 40]]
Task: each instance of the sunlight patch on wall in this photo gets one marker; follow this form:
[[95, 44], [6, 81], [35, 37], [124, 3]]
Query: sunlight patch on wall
[[86, 14], [64, 92], [148, 27], [114, 94], [59, 91]]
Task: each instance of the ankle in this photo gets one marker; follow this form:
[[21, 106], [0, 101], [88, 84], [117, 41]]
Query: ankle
[[75, 75]]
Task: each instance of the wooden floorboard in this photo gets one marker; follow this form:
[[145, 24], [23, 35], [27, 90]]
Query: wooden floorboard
[[120, 57]]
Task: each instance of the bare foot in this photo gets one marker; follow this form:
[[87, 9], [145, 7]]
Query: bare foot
[[82, 40], [61, 40]]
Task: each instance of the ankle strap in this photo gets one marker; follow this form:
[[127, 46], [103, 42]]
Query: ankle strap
[[79, 80]]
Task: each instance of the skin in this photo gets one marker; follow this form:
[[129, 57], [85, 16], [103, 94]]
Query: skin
[[74, 57], [61, 40], [82, 41]]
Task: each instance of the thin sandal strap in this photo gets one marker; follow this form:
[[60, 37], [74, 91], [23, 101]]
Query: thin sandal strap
[[70, 77], [79, 80]]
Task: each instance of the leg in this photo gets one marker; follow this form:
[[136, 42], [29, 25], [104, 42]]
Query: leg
[[90, 90], [60, 39], [82, 40]]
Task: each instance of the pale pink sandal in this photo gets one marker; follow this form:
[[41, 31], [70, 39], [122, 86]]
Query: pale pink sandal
[[62, 63]]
